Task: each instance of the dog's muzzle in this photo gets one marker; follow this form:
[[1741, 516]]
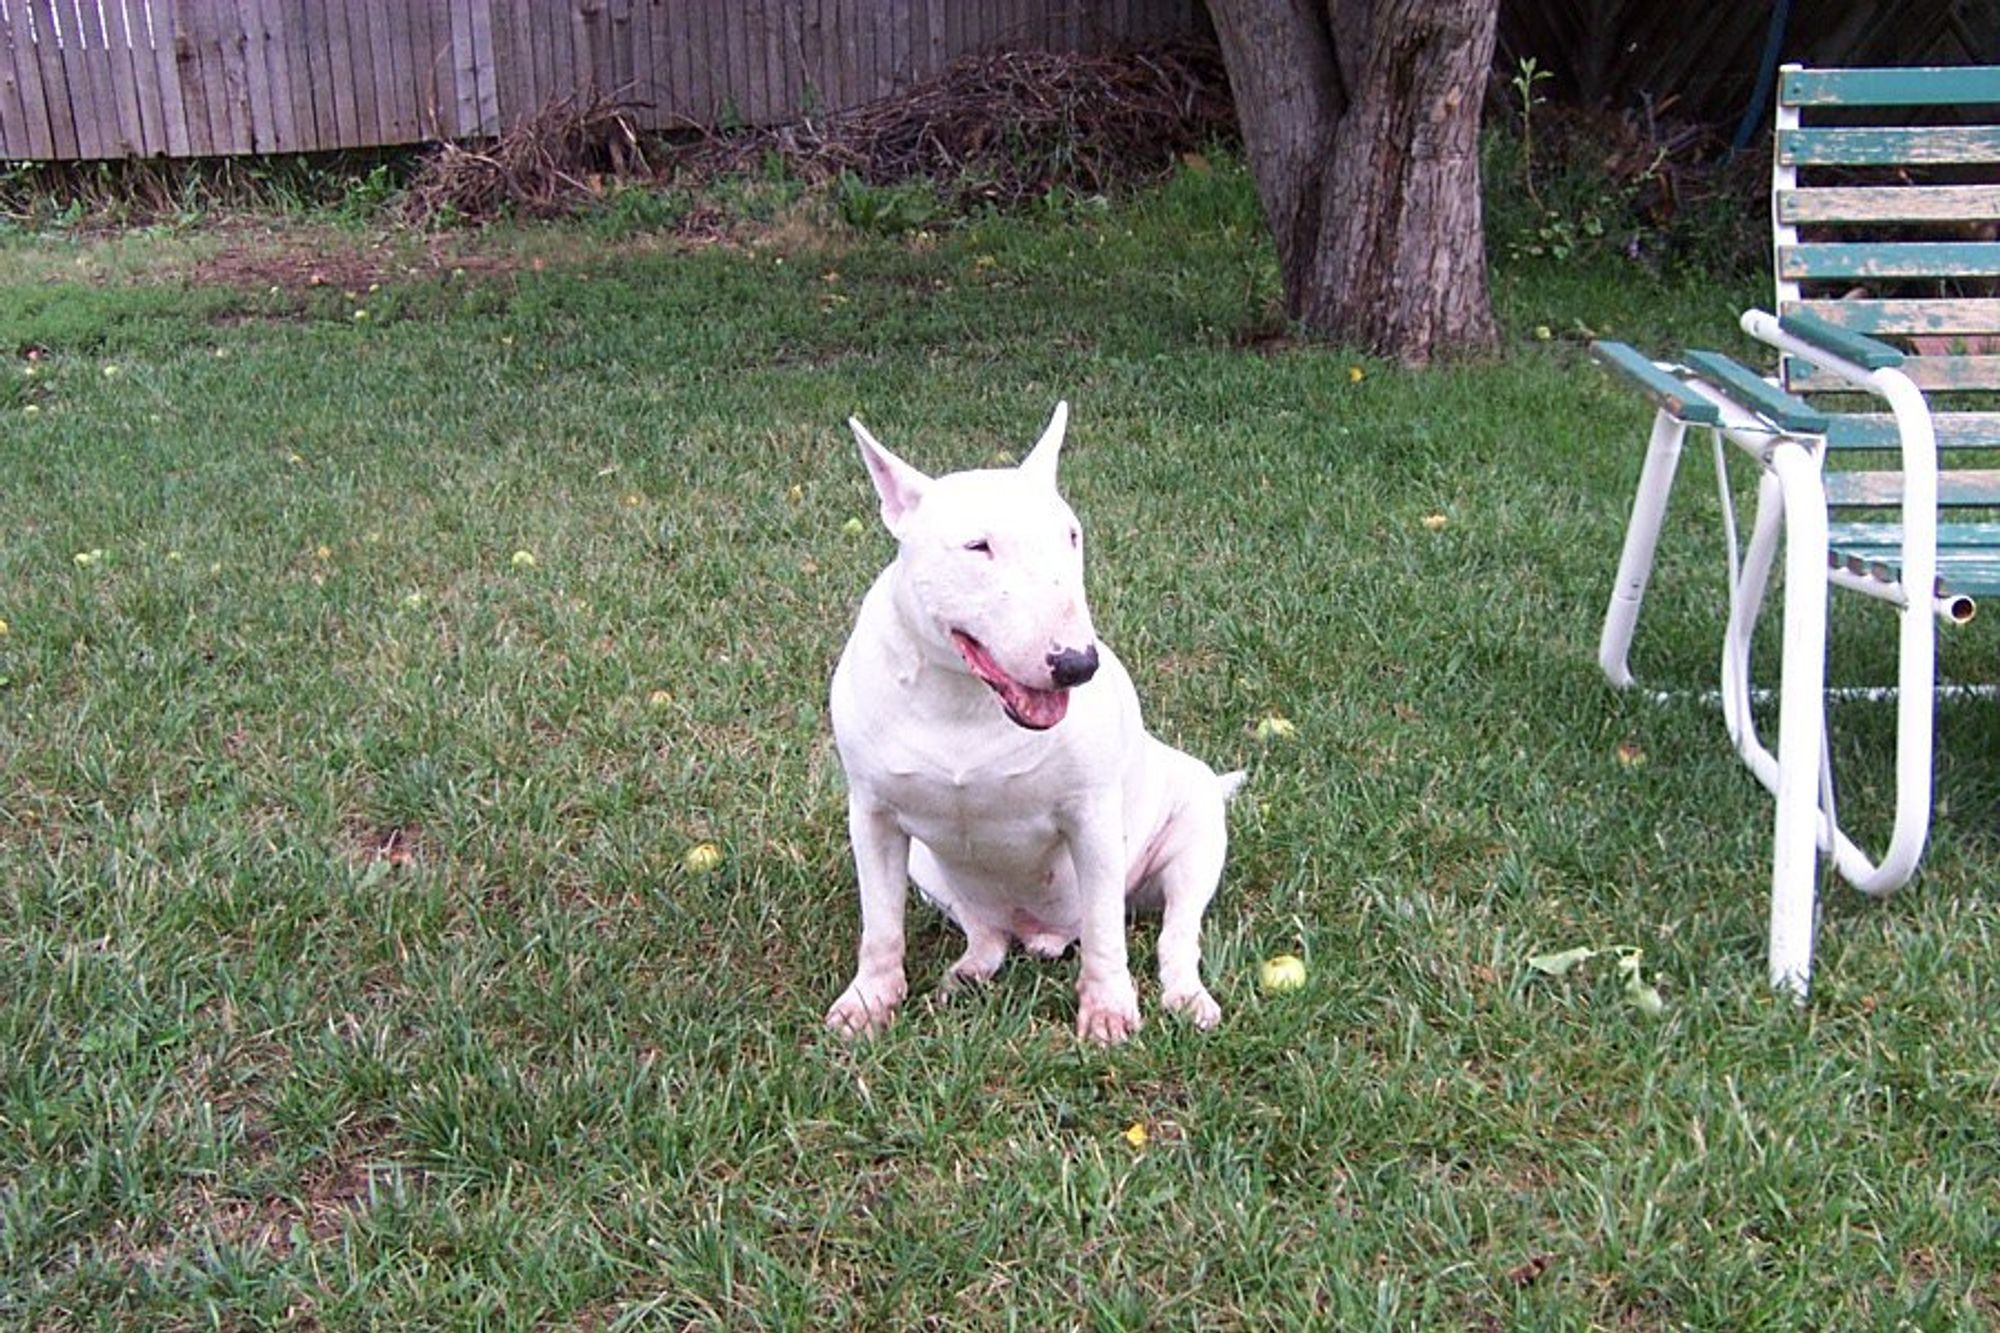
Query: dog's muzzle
[[1028, 706], [1072, 666]]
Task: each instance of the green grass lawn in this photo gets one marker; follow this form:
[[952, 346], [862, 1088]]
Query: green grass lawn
[[367, 679]]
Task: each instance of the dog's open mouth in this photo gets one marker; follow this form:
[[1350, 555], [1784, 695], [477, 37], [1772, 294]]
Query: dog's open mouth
[[1037, 710]]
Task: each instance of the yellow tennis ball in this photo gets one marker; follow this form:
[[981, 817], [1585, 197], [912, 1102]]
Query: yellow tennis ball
[[702, 858], [1286, 972]]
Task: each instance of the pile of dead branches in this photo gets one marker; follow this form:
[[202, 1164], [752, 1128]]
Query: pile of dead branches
[[999, 129], [1006, 127], [546, 165]]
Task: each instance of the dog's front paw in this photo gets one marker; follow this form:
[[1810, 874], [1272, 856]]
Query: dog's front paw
[[865, 1008], [1108, 1014], [1197, 1006]]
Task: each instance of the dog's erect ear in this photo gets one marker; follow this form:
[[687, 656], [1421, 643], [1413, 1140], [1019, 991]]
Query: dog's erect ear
[[1041, 460], [899, 484]]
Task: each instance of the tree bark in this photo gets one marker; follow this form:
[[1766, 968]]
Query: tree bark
[[1361, 124]]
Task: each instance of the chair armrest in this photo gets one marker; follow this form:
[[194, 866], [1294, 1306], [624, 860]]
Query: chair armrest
[[1665, 391], [1859, 348], [1859, 360], [1767, 400]]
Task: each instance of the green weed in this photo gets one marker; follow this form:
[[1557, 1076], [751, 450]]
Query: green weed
[[886, 210]]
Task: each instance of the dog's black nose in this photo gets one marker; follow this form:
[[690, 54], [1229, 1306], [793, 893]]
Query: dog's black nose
[[1072, 666]]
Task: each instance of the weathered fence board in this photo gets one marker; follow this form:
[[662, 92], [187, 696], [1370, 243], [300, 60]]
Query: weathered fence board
[[88, 79]]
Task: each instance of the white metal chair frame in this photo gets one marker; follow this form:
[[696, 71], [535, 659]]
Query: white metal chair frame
[[1792, 504]]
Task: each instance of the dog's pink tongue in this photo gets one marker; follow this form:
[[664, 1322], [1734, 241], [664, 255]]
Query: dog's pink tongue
[[1037, 710]]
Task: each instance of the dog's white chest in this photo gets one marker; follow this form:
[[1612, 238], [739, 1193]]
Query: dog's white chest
[[962, 804]]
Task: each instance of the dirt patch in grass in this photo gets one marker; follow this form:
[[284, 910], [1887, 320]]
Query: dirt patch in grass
[[398, 847], [328, 1197], [310, 260]]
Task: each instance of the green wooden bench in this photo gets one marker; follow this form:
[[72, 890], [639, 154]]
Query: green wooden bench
[[1871, 435]]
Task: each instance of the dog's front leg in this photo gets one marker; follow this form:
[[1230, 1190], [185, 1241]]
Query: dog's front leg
[[1107, 1002], [882, 868]]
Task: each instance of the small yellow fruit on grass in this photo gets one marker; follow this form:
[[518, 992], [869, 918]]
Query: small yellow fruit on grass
[[1286, 972], [701, 858]]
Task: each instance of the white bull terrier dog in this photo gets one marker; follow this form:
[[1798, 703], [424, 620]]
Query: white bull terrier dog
[[995, 755]]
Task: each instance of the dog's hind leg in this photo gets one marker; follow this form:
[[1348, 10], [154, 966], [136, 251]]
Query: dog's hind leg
[[1186, 883], [985, 943], [985, 951]]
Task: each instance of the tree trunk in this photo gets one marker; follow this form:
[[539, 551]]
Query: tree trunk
[[1361, 122]]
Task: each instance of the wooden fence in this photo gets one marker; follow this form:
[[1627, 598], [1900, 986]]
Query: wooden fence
[[89, 79]]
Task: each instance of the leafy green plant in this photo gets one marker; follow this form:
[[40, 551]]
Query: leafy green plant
[[1528, 76], [633, 208], [364, 198], [886, 210], [1560, 238]]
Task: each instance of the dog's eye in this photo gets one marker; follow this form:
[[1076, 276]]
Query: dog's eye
[[981, 545], [1076, 537]]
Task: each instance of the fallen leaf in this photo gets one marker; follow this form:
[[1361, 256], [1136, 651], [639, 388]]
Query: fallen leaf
[[1645, 997], [1559, 964]]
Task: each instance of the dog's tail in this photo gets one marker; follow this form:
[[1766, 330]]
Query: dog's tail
[[1232, 782]]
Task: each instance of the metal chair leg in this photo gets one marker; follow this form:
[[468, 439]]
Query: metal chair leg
[[1642, 537]]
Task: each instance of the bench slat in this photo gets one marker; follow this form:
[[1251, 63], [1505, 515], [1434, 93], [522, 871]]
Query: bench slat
[[1889, 536], [1966, 567], [1888, 146], [1874, 430], [1964, 488], [1890, 203], [1963, 314], [1931, 373], [1932, 85], [1975, 573], [1853, 261]]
